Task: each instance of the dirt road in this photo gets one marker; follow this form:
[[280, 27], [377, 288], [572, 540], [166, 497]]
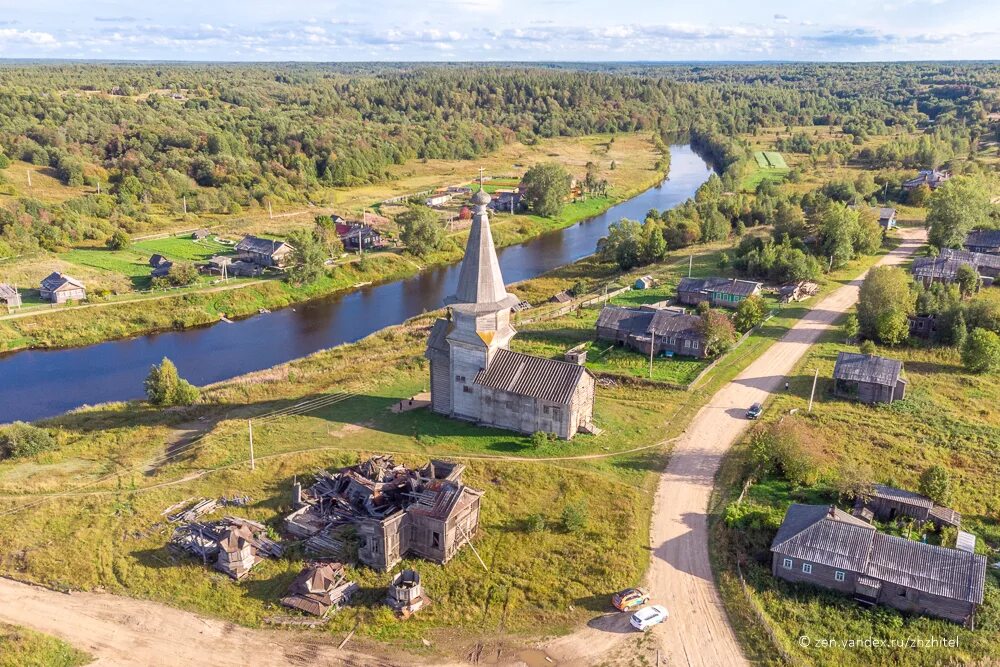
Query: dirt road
[[698, 632]]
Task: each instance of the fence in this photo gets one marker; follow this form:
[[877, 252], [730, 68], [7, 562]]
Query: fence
[[763, 621]]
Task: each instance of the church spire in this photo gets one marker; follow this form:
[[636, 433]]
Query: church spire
[[480, 281]]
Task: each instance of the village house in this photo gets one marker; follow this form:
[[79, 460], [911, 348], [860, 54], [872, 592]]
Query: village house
[[474, 374], [436, 200], [60, 288], [886, 216], [944, 267], [10, 297], [161, 266], [985, 241], [200, 234], [355, 236], [508, 201], [932, 178], [824, 546], [319, 588], [264, 252], [725, 292], [669, 330], [395, 511], [868, 378], [922, 326], [887, 504]]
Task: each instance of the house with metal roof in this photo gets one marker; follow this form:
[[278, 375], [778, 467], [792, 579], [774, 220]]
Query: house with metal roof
[[60, 288], [944, 267], [868, 378], [886, 503], [824, 546], [932, 178], [886, 215], [983, 240], [474, 374], [669, 331], [724, 292], [264, 252]]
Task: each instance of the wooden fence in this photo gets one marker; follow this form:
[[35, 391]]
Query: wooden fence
[[763, 621]]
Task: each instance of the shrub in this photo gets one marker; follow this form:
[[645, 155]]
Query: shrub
[[574, 517], [535, 523], [539, 438], [117, 241], [750, 313], [935, 483], [21, 439], [165, 387], [868, 347], [981, 352]]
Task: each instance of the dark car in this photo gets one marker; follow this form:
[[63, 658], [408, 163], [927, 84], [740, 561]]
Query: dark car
[[755, 411]]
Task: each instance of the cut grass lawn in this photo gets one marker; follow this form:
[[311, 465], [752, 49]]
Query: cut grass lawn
[[183, 248], [948, 418], [20, 647]]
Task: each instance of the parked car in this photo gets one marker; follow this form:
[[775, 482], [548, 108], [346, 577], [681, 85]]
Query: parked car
[[646, 618], [755, 411], [630, 598]]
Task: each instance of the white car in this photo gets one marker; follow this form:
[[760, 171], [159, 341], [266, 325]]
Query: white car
[[647, 617]]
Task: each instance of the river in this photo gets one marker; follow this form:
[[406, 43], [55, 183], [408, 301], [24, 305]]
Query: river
[[41, 383]]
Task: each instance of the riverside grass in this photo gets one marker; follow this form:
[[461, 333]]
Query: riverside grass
[[538, 583]]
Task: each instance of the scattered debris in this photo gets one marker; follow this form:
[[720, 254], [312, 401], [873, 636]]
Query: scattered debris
[[406, 594], [200, 508], [232, 545]]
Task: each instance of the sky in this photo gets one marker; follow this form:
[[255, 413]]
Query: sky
[[501, 30]]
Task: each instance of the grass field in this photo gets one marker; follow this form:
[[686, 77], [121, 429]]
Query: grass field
[[947, 418], [183, 248], [20, 647], [129, 263]]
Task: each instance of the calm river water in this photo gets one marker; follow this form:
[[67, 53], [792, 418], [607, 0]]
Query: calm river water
[[41, 383]]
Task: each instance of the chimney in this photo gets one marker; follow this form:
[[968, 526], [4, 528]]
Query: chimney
[[833, 511], [297, 494]]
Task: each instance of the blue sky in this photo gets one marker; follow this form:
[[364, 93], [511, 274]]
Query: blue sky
[[591, 30]]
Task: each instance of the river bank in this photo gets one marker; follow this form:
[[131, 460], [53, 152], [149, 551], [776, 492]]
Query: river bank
[[40, 383]]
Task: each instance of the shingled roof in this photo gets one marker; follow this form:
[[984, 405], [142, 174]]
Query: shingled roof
[[260, 246], [536, 377], [666, 321], [480, 283], [7, 292], [633, 320], [868, 368]]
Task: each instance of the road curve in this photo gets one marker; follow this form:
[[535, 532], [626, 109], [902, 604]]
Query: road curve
[[680, 576]]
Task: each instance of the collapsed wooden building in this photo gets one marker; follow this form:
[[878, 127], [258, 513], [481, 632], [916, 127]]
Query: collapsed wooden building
[[396, 511], [320, 588], [886, 503], [232, 545]]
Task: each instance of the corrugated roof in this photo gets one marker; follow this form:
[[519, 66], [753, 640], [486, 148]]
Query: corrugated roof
[[525, 375], [259, 245], [7, 292], [901, 496], [721, 285], [56, 280], [855, 367], [632, 320], [983, 237], [977, 260], [812, 533], [932, 569], [672, 322]]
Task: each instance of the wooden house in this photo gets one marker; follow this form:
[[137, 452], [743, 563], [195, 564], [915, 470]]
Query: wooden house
[[264, 252], [824, 546], [944, 267], [886, 216], [986, 241], [10, 297], [868, 378], [200, 234], [669, 331], [724, 292], [355, 236], [60, 288], [395, 511], [507, 201], [887, 504], [319, 588], [561, 297], [932, 178], [161, 266], [922, 326]]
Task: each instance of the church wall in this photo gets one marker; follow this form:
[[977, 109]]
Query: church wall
[[466, 362], [441, 386]]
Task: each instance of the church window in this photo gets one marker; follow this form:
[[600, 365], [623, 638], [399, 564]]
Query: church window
[[545, 409], [459, 378], [467, 389]]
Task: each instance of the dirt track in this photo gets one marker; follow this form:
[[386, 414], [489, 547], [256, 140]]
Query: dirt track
[[680, 576], [123, 631]]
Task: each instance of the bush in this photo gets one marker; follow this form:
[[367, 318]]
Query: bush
[[868, 347], [539, 439], [165, 387], [981, 352], [935, 483], [117, 241], [574, 517], [21, 439], [535, 523]]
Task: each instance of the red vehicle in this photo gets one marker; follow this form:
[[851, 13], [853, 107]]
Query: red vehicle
[[630, 598]]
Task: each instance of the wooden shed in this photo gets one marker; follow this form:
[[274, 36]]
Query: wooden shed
[[10, 297], [868, 378]]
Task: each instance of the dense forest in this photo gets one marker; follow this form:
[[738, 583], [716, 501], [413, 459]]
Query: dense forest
[[226, 137]]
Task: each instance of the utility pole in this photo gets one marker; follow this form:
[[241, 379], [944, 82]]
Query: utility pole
[[185, 200], [652, 344], [252, 463], [690, 264], [270, 213], [98, 187], [29, 178], [813, 392]]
